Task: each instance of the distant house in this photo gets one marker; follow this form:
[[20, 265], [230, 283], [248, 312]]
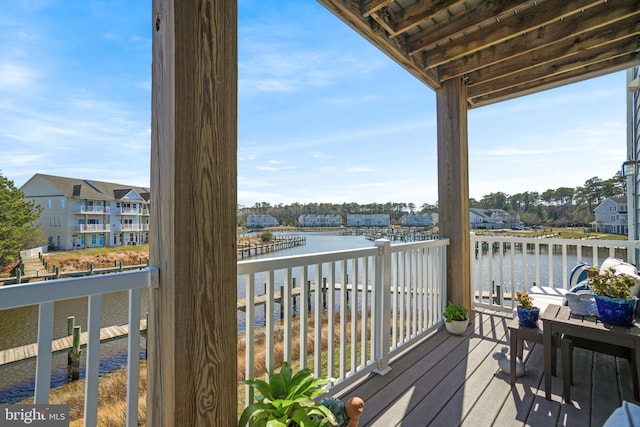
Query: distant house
[[321, 220], [261, 221], [82, 213], [420, 220], [368, 220], [492, 219], [612, 216]]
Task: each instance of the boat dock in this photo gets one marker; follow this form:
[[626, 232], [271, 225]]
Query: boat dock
[[29, 351]]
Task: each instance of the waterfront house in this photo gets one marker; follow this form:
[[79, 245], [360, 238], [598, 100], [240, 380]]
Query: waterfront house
[[420, 220], [368, 220], [471, 53], [611, 216], [319, 220], [261, 221], [85, 213]]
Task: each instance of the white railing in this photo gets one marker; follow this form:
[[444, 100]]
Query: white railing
[[353, 308], [33, 252], [500, 266], [130, 211], [88, 228], [45, 294], [84, 209]]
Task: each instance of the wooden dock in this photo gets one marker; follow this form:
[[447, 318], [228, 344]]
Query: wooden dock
[[296, 292], [29, 351]]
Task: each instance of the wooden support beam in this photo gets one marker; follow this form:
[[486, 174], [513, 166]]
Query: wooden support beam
[[453, 187], [192, 345]]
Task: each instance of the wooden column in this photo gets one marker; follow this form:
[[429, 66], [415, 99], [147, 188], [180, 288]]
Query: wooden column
[[192, 334], [453, 187]]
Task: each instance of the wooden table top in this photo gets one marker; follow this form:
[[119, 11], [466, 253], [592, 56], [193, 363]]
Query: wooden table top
[[561, 315]]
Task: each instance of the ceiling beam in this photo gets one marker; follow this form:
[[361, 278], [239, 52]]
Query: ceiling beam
[[625, 15], [575, 75], [483, 14], [420, 12], [529, 20]]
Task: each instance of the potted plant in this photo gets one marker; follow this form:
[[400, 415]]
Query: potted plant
[[456, 318], [612, 290], [528, 314], [286, 400]]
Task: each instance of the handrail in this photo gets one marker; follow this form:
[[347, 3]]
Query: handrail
[[45, 294], [502, 265], [355, 297]]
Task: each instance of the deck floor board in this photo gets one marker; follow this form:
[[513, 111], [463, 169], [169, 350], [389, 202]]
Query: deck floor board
[[450, 380]]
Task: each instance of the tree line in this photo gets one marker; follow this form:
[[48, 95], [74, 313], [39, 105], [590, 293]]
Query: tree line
[[555, 207], [560, 207]]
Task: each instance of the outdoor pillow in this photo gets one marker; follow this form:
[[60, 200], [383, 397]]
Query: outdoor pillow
[[622, 267]]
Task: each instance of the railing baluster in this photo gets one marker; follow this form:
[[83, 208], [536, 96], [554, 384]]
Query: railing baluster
[[303, 316], [317, 356], [343, 321], [364, 311], [269, 326], [285, 306], [43, 362], [383, 274], [354, 314], [394, 299], [93, 361], [550, 265], [133, 358], [249, 336]]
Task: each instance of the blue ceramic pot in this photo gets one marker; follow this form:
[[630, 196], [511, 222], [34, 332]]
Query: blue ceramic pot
[[528, 318], [616, 311]]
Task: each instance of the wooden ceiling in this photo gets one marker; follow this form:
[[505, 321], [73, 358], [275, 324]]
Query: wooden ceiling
[[502, 49]]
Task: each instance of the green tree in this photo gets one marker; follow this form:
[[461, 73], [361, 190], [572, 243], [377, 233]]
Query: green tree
[[16, 217]]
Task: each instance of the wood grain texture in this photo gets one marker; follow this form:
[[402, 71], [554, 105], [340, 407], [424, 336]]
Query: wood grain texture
[[194, 168], [453, 187]]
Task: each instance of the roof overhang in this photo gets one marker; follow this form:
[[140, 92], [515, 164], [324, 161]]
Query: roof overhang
[[502, 49]]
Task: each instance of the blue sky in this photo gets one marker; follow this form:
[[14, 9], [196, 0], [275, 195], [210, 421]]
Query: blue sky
[[323, 116]]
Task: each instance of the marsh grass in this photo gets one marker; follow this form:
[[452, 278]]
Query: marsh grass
[[112, 388]]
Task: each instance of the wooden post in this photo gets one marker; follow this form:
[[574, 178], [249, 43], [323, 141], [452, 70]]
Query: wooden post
[[73, 355], [324, 293], [293, 286], [453, 187], [281, 301], [192, 370]]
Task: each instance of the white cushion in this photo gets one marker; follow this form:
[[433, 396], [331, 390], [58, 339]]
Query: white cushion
[[625, 268]]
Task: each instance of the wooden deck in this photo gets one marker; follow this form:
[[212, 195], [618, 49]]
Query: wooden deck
[[448, 381]]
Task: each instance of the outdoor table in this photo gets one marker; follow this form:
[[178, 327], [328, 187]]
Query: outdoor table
[[591, 333], [517, 335]]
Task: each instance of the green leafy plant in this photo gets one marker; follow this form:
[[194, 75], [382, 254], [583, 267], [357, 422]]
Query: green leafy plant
[[609, 283], [524, 300], [455, 312], [286, 400]]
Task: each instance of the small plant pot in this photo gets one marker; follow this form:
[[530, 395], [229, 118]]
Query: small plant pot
[[457, 327], [616, 311], [528, 317]]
